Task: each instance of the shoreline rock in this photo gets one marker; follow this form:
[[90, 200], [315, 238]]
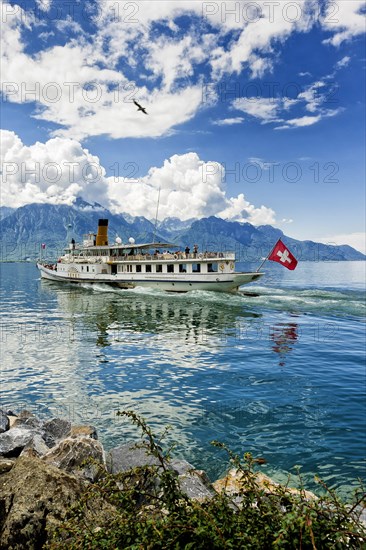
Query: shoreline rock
[[43, 471]]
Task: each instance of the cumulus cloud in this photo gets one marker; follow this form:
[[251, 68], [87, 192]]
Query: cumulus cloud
[[55, 172], [189, 188], [58, 171], [239, 209]]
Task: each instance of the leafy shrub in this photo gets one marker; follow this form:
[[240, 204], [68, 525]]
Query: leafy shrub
[[146, 509]]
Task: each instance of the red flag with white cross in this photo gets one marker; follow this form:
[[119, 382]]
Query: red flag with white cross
[[283, 256]]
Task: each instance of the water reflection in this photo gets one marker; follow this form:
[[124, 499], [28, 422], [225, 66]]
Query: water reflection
[[284, 336], [208, 364], [165, 356], [192, 318]]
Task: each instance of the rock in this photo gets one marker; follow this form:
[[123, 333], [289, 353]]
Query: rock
[[234, 482], [84, 431], [128, 456], [14, 440], [34, 496], [361, 514], [28, 421], [8, 412], [5, 465], [55, 430], [70, 453], [4, 422], [194, 483], [12, 419], [37, 444]]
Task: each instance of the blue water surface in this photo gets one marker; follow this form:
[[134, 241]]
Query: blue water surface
[[277, 370]]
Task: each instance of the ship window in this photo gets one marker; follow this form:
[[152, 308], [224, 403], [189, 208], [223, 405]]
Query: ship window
[[159, 268], [182, 268], [87, 268], [170, 268], [129, 268], [148, 268], [196, 268], [212, 268], [138, 269]]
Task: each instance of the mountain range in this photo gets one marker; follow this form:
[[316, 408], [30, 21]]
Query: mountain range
[[24, 229]]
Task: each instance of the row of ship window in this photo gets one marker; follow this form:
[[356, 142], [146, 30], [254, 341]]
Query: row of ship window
[[157, 268], [165, 268]]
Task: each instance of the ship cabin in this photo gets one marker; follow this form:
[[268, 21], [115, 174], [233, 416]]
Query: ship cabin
[[97, 256]]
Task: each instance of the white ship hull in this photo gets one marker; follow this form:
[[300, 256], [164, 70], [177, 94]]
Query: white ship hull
[[217, 282]]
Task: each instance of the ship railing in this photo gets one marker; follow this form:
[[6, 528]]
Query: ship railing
[[182, 256]]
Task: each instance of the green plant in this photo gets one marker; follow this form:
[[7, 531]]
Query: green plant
[[145, 508]]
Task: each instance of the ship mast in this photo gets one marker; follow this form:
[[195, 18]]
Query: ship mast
[[156, 217]]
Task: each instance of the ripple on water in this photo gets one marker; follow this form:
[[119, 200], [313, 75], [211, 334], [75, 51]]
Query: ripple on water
[[275, 370]]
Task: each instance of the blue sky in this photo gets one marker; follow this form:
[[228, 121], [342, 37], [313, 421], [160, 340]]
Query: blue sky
[[256, 110]]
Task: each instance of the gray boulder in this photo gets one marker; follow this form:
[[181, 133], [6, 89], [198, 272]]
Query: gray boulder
[[37, 444], [70, 454], [129, 456], [194, 483], [55, 430], [4, 421], [13, 441]]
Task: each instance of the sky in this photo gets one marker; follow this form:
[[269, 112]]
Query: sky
[[255, 110]]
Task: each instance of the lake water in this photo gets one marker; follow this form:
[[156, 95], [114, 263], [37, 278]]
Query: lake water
[[279, 373]]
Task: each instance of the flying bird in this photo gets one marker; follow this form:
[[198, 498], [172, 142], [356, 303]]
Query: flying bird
[[140, 108]]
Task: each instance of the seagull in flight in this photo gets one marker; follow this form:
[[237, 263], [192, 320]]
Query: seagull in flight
[[140, 108]]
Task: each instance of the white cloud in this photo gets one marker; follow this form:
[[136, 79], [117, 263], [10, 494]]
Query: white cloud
[[265, 109], [314, 95], [58, 171], [343, 62], [300, 122], [168, 64], [190, 188], [55, 172], [261, 163], [44, 5], [308, 120], [228, 121], [255, 45], [239, 209], [345, 18], [357, 240], [313, 99]]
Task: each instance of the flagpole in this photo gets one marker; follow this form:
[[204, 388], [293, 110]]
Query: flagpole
[[265, 259]]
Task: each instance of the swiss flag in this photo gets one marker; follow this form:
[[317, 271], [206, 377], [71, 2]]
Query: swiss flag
[[283, 256], [43, 246]]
